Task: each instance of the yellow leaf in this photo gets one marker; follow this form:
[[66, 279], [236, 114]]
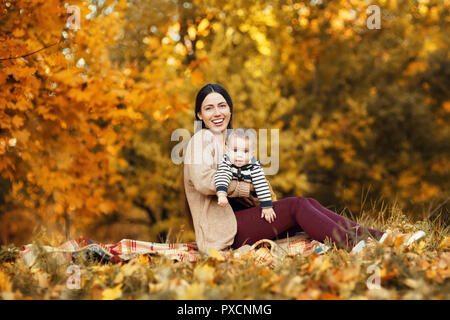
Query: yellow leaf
[[119, 277], [419, 247], [326, 161], [386, 274], [406, 179], [112, 293], [329, 296], [322, 264], [58, 208], [5, 282], [412, 283], [17, 121], [68, 77], [203, 25], [445, 244], [18, 33], [155, 287], [192, 33], [195, 291], [399, 240], [199, 44], [157, 115], [122, 162], [204, 273], [2, 146], [144, 259], [197, 77], [215, 254], [446, 106]]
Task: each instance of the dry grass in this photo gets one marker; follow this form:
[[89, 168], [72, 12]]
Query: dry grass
[[420, 271]]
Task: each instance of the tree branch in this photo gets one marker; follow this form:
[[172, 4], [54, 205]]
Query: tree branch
[[148, 210], [29, 54]]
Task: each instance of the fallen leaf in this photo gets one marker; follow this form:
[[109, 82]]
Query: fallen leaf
[[204, 273], [445, 243], [196, 291], [216, 255], [112, 293], [329, 296], [144, 259], [386, 274], [5, 282]]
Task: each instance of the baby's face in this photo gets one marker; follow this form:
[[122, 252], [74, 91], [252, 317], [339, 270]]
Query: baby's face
[[239, 151]]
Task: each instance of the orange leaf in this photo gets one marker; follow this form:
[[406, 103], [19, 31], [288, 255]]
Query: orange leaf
[[17, 121], [197, 77], [215, 254], [18, 33], [445, 243], [329, 296]]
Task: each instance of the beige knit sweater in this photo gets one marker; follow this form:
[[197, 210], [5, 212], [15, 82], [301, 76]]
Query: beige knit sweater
[[215, 226]]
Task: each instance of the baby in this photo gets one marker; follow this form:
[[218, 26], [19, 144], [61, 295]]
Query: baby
[[239, 162]]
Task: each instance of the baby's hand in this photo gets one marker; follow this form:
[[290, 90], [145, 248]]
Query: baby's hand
[[222, 199], [268, 214]]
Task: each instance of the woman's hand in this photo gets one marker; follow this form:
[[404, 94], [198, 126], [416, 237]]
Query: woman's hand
[[252, 188], [268, 214]]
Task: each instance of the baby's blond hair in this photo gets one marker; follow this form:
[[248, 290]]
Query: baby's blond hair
[[244, 134]]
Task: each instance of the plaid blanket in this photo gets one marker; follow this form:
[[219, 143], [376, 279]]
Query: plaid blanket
[[127, 249]]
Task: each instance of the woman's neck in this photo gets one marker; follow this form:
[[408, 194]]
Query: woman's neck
[[220, 137]]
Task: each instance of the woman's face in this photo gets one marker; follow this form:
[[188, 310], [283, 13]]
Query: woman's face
[[215, 112]]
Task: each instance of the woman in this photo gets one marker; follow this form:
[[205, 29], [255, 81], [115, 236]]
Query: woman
[[235, 225]]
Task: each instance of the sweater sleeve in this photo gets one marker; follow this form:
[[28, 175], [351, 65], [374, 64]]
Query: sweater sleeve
[[202, 175], [261, 186], [223, 177]]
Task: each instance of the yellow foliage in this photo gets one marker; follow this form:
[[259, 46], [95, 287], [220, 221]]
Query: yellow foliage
[[446, 106], [326, 161], [204, 273], [216, 255], [5, 282], [112, 293], [445, 243], [196, 291]]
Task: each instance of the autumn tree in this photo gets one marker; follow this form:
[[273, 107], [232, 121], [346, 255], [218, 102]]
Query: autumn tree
[[86, 115], [354, 110], [66, 112]]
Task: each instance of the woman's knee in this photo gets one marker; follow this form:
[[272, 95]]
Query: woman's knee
[[294, 204], [302, 200], [304, 203]]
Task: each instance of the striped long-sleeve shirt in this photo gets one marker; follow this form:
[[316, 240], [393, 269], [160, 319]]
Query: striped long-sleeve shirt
[[251, 172]]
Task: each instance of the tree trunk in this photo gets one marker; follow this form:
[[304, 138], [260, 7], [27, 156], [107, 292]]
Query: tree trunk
[[67, 224]]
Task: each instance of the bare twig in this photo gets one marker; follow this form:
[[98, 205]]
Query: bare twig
[[29, 54]]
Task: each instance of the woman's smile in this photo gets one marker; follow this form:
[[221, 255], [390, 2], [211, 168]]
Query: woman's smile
[[218, 122]]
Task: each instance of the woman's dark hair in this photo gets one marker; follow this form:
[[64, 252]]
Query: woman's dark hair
[[207, 89], [201, 95]]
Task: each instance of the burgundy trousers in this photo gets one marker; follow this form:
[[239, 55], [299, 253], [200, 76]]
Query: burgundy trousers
[[301, 214]]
